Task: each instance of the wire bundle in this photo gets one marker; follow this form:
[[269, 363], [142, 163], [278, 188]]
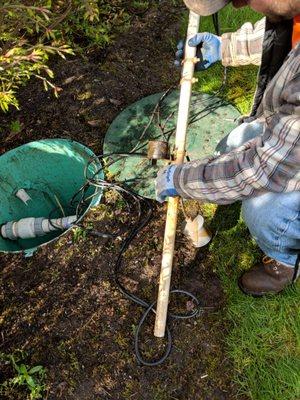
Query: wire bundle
[[143, 208]]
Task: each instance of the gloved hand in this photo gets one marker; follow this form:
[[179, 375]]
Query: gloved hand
[[208, 50], [164, 184]]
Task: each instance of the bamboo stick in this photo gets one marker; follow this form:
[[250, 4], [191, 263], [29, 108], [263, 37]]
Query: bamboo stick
[[180, 140]]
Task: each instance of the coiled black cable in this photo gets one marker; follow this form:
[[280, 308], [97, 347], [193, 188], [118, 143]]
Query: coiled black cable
[[80, 200], [144, 209]]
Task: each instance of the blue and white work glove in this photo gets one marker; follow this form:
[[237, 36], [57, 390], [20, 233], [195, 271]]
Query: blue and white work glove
[[164, 183], [208, 50]]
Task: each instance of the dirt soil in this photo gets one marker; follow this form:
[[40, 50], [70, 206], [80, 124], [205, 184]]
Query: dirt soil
[[61, 306]]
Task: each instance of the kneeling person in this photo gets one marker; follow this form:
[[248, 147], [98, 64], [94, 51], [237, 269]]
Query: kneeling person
[[259, 162]]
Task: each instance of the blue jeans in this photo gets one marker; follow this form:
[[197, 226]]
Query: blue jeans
[[273, 219]]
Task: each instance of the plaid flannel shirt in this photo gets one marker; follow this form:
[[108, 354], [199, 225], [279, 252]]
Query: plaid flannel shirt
[[268, 163]]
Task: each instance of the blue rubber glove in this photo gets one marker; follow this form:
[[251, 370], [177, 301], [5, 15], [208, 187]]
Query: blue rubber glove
[[164, 184], [211, 48], [208, 50]]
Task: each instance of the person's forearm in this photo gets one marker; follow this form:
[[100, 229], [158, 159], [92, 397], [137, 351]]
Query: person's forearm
[[244, 46], [267, 163]]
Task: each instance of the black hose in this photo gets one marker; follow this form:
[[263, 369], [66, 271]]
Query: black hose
[[144, 210], [216, 23]]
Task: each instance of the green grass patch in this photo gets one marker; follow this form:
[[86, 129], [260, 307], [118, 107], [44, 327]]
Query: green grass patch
[[31, 379], [265, 333], [264, 340], [241, 82]]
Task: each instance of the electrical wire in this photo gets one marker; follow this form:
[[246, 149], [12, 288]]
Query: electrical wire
[[215, 18], [143, 208], [81, 199], [144, 218]]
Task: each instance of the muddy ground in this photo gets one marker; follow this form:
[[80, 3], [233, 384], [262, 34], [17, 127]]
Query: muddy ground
[[61, 306]]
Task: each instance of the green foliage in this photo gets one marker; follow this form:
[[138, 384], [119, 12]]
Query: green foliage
[[31, 33], [92, 23], [241, 82], [139, 5], [15, 126], [30, 378], [78, 234], [24, 53]]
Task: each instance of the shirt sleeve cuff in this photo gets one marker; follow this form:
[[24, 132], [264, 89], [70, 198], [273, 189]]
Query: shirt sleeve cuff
[[176, 181], [226, 50]]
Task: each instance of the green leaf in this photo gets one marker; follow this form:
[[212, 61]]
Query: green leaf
[[23, 369], [30, 381], [35, 369], [15, 365]]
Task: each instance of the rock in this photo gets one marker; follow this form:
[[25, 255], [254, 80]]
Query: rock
[[115, 102], [100, 101], [95, 122]]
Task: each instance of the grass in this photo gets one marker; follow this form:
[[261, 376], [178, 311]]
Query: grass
[[265, 333], [264, 340], [241, 82], [30, 378]]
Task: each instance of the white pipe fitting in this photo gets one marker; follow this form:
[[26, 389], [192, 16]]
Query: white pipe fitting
[[29, 228], [23, 196], [195, 231]]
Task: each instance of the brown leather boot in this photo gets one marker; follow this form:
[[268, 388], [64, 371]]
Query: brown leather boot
[[270, 276]]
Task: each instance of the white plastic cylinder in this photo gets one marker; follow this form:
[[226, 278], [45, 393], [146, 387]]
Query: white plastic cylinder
[[23, 196], [29, 228]]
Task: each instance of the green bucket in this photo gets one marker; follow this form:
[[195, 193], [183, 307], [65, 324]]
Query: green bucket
[[50, 171]]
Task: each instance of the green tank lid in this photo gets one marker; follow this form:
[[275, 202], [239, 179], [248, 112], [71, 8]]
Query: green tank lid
[[210, 120]]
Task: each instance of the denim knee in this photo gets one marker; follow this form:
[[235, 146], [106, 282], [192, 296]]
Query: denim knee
[[238, 136], [273, 220]]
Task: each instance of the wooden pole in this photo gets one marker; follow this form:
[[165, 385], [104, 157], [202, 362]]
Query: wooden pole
[[171, 221]]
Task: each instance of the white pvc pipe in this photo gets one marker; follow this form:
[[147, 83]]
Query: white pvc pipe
[[28, 228], [180, 141]]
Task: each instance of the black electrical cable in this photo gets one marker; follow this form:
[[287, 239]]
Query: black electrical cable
[[296, 270], [169, 336], [80, 204], [81, 199], [216, 23], [144, 209]]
